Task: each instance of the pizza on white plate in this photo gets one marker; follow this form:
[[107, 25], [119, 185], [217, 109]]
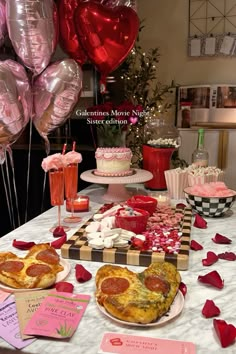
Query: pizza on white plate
[[38, 269], [137, 297]]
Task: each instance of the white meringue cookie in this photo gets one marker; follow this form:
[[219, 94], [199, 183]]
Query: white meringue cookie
[[93, 227]]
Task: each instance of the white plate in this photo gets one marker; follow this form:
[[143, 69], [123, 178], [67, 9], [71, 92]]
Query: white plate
[[60, 276], [175, 309]]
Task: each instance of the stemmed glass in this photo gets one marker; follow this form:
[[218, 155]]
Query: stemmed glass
[[71, 185], [56, 184]]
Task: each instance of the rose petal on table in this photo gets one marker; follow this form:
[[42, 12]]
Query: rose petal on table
[[228, 256], [210, 309], [22, 245], [199, 222], [225, 332], [213, 278], [211, 259], [195, 246], [64, 287], [82, 275], [180, 206], [221, 239], [59, 231], [59, 242], [183, 288]]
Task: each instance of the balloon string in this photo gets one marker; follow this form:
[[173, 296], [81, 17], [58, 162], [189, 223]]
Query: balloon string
[[10, 194], [7, 198], [9, 150], [29, 155]]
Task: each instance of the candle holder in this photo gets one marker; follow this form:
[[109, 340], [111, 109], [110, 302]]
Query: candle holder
[[163, 198], [80, 204]]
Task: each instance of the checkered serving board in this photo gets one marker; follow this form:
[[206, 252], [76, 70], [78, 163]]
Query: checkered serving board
[[77, 248]]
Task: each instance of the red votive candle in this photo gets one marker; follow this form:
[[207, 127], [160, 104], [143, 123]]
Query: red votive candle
[[81, 203]]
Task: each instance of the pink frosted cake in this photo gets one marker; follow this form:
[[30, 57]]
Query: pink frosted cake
[[113, 162]]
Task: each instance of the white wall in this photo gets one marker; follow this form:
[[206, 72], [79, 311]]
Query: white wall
[[166, 27]]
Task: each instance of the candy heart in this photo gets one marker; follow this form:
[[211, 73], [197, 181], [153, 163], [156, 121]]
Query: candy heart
[[225, 332], [106, 34]]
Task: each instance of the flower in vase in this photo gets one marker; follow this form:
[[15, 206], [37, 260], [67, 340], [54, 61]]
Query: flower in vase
[[112, 122]]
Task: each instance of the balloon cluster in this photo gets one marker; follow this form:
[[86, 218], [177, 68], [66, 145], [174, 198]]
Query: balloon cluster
[[102, 31]]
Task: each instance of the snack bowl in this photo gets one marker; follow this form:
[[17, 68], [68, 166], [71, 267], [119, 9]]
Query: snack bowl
[[209, 206], [134, 223], [143, 202]]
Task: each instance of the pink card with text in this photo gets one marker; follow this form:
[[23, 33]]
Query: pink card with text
[[128, 344]]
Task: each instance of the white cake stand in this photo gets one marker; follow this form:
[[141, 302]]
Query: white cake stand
[[116, 191]]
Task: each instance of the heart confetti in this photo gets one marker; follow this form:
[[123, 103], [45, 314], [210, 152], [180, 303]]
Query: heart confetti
[[221, 239], [211, 259], [195, 246], [210, 309], [199, 222], [82, 275], [225, 332], [228, 256], [22, 245], [213, 278]]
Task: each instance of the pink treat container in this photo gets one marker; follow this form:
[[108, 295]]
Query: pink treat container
[[143, 202], [135, 223]]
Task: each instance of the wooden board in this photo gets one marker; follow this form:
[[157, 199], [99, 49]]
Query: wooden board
[[77, 248]]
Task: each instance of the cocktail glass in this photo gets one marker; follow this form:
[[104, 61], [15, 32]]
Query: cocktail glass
[[56, 185], [71, 186]]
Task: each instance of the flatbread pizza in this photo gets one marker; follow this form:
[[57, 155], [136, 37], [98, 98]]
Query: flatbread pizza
[[38, 269]]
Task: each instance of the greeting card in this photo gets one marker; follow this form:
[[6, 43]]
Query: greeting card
[[128, 344]]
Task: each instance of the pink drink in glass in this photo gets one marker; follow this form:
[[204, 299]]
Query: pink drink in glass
[[56, 183], [71, 180], [71, 186]]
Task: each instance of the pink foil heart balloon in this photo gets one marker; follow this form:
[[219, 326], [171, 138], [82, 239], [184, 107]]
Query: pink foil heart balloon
[[15, 103], [33, 30], [107, 34], [56, 92]]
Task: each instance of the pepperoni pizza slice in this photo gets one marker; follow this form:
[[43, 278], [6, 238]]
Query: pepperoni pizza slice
[[137, 297], [38, 269]]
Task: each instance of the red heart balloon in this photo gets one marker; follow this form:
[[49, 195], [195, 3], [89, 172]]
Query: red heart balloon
[[68, 37], [106, 34]]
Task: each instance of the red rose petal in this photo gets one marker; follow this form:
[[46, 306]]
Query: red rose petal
[[221, 239], [225, 332], [183, 288], [59, 231], [211, 259], [228, 256], [210, 309], [22, 245], [199, 222], [64, 287], [59, 242], [213, 278], [82, 275], [194, 245]]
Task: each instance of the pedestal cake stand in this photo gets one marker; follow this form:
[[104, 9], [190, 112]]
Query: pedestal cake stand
[[116, 191]]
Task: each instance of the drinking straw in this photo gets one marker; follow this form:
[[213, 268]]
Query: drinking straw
[[64, 149], [74, 146]]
